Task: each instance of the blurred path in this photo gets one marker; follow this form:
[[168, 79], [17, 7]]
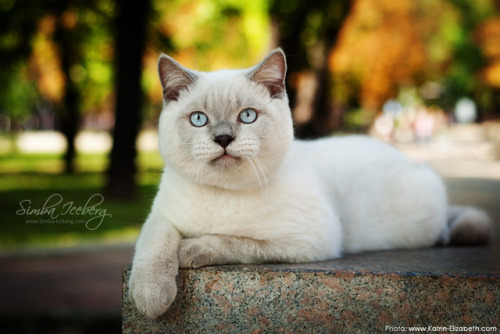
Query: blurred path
[[84, 280]]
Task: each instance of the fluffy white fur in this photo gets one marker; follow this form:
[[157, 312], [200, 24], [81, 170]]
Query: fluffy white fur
[[267, 197]]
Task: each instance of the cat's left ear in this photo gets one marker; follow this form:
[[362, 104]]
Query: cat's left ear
[[173, 77], [271, 73]]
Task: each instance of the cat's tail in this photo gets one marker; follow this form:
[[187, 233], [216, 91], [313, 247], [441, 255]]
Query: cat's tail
[[468, 226]]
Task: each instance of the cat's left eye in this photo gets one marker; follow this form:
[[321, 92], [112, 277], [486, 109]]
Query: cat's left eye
[[248, 116]]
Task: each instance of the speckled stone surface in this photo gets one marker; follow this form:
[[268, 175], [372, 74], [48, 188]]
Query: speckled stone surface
[[361, 293]]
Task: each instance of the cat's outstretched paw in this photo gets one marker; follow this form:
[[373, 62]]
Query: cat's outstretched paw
[[195, 253], [152, 290]]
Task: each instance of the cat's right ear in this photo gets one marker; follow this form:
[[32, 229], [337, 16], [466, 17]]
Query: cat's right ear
[[173, 77]]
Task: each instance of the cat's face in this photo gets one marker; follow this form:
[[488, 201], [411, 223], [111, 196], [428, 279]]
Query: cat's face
[[230, 129]]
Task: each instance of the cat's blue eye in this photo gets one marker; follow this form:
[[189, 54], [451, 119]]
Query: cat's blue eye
[[247, 116], [198, 119]]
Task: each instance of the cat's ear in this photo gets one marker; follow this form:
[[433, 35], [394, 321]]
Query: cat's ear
[[173, 77], [271, 73]]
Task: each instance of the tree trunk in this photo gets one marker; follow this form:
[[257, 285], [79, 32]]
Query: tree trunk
[[326, 116], [292, 25], [131, 36], [68, 43]]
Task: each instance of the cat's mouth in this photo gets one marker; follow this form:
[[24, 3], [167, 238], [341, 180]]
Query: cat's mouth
[[226, 158]]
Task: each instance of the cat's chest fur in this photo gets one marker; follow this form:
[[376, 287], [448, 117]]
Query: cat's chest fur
[[196, 209], [291, 197]]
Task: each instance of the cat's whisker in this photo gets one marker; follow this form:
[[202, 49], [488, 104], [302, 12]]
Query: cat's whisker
[[199, 176], [196, 174], [199, 173], [259, 170], [265, 154], [191, 183], [262, 170], [250, 160]]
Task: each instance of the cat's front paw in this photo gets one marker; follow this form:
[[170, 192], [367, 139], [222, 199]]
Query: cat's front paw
[[195, 253], [152, 290]]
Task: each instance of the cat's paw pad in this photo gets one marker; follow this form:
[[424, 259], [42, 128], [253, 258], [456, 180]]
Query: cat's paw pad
[[193, 254], [152, 294]]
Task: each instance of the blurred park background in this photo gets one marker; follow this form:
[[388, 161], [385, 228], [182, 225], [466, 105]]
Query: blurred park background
[[80, 98]]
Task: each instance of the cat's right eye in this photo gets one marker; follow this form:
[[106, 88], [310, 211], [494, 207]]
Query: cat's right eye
[[198, 119]]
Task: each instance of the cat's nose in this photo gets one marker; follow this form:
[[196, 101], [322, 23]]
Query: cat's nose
[[224, 140]]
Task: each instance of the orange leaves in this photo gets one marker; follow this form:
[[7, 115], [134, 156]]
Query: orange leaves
[[488, 37], [385, 44]]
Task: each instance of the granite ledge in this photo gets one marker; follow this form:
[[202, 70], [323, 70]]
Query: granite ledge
[[362, 293]]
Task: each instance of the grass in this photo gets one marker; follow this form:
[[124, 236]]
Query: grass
[[16, 163], [30, 182]]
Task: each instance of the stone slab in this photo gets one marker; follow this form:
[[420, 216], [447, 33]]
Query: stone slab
[[364, 293]]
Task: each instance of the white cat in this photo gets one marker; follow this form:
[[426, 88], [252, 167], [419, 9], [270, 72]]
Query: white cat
[[237, 188]]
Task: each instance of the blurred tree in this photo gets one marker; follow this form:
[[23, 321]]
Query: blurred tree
[[487, 36], [130, 45], [386, 46], [68, 37], [463, 74], [22, 19], [307, 31], [48, 43], [380, 48], [74, 33], [220, 34], [18, 24]]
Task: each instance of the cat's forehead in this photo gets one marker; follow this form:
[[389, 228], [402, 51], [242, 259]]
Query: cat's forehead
[[225, 91]]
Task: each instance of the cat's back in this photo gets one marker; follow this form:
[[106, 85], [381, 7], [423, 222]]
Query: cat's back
[[356, 151], [369, 184], [343, 164]]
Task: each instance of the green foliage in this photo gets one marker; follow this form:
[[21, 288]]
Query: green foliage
[[95, 75], [462, 76], [19, 95], [22, 69], [218, 33], [214, 34]]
